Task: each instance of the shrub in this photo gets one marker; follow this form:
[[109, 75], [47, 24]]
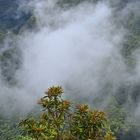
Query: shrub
[[60, 120]]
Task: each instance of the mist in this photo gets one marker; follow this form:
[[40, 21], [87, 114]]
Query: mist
[[78, 48]]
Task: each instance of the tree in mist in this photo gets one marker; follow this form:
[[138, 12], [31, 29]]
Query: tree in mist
[[60, 120]]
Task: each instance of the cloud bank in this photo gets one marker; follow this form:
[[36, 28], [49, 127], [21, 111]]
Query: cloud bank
[[78, 48]]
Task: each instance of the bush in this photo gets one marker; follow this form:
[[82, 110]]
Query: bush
[[60, 120]]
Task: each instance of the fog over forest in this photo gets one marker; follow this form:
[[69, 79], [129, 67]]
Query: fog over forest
[[89, 47]]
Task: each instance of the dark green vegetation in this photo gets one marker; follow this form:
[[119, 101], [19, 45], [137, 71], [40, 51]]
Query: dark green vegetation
[[119, 118], [8, 130], [9, 18], [11, 24]]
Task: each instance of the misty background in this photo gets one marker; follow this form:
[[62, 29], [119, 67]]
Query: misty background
[[85, 46]]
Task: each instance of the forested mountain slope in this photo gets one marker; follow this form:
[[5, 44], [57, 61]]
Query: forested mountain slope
[[72, 23]]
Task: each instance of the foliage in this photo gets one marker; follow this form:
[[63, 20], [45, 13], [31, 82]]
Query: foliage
[[131, 41], [24, 138], [2, 34], [8, 130], [61, 121], [118, 118]]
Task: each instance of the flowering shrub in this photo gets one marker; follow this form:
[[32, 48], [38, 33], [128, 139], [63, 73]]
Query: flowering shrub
[[61, 121]]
